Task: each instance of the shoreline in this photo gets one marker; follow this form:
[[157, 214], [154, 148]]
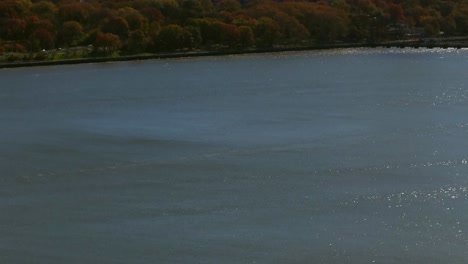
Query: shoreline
[[171, 55], [457, 43]]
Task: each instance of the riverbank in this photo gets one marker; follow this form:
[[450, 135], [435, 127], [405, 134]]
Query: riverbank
[[459, 42], [32, 63]]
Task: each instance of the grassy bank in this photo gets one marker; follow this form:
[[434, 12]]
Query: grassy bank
[[56, 58], [43, 59]]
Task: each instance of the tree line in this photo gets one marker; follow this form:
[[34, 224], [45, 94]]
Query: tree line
[[169, 25]]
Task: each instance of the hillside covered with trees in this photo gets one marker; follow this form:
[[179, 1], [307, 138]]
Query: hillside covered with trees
[[148, 26]]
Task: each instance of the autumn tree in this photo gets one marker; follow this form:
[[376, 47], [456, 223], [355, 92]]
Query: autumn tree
[[191, 9], [195, 36], [169, 8], [116, 25], [171, 38], [228, 6], [45, 10], [431, 22], [230, 35], [41, 39], [152, 14], [290, 27], [210, 30], [324, 23], [134, 19], [267, 32], [13, 28], [14, 8], [13, 24], [107, 42], [246, 37], [396, 12], [75, 11], [71, 32], [41, 33], [137, 42], [208, 7], [460, 17], [142, 25]]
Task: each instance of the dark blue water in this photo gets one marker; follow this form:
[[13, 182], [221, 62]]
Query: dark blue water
[[343, 156]]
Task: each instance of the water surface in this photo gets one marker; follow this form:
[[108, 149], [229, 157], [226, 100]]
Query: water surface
[[342, 156]]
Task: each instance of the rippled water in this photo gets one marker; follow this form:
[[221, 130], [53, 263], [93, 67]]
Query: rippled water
[[342, 156]]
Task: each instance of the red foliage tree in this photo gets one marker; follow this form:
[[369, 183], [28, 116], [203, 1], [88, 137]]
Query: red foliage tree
[[230, 35], [117, 26], [107, 42], [41, 39], [13, 28]]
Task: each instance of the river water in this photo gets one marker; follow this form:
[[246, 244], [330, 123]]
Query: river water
[[339, 156]]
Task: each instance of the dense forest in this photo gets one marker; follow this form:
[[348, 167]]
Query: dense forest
[[140, 26]]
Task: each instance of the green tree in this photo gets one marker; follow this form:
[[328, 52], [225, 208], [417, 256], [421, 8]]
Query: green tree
[[246, 38], [267, 32], [460, 16], [71, 32], [171, 38], [448, 26], [195, 35], [210, 30], [431, 24]]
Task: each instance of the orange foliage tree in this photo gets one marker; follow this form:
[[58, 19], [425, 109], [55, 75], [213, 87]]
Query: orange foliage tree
[[149, 25]]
